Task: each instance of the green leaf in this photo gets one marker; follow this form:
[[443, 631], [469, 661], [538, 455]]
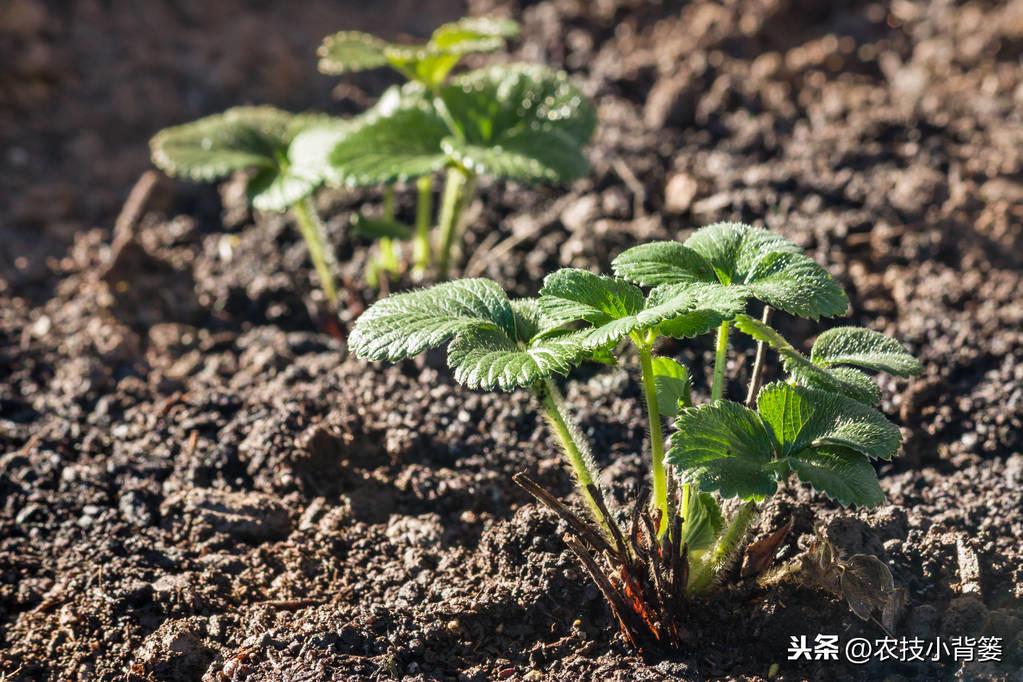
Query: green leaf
[[671, 381], [520, 121], [616, 308], [351, 51], [709, 305], [804, 418], [734, 249], [309, 152], [773, 268], [375, 228], [703, 522], [724, 446], [273, 190], [571, 294], [863, 348], [404, 325], [824, 437], [210, 148], [766, 266], [473, 34], [390, 145], [797, 285], [421, 63], [845, 476], [490, 359], [660, 263], [430, 63], [846, 381], [258, 139]]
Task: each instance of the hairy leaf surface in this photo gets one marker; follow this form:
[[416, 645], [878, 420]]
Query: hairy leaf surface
[[404, 325], [571, 294], [490, 359], [802, 418], [521, 121], [724, 446], [827, 439], [708, 306], [768, 267], [660, 263], [350, 51], [390, 145], [213, 147], [845, 476], [428, 63], [863, 348]]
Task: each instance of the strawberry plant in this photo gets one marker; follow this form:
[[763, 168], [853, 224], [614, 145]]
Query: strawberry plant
[[514, 121], [818, 424], [283, 169]]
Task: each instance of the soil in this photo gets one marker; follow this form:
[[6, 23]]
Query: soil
[[198, 482]]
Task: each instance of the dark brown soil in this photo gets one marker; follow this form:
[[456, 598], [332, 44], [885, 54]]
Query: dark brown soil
[[197, 482]]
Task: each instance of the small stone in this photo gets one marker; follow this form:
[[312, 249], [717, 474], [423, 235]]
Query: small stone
[[680, 192], [580, 214]]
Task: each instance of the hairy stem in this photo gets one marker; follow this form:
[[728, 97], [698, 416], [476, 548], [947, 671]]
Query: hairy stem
[[575, 447], [424, 211], [660, 478], [758, 363], [458, 188], [729, 541], [313, 233], [717, 389]]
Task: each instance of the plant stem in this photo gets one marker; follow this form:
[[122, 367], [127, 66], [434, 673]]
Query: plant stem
[[424, 210], [717, 389], [758, 363], [575, 447], [312, 231], [660, 479], [729, 541], [458, 188]]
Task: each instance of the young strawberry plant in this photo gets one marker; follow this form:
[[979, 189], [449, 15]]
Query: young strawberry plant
[[514, 121], [517, 121], [284, 167], [819, 424]]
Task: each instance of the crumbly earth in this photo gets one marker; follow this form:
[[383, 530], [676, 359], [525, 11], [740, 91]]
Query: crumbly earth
[[197, 481]]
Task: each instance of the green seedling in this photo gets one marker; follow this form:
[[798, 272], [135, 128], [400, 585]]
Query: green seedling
[[515, 121], [429, 65], [819, 424], [285, 167]]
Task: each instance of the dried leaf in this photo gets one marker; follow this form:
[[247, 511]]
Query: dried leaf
[[760, 554], [866, 584]]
